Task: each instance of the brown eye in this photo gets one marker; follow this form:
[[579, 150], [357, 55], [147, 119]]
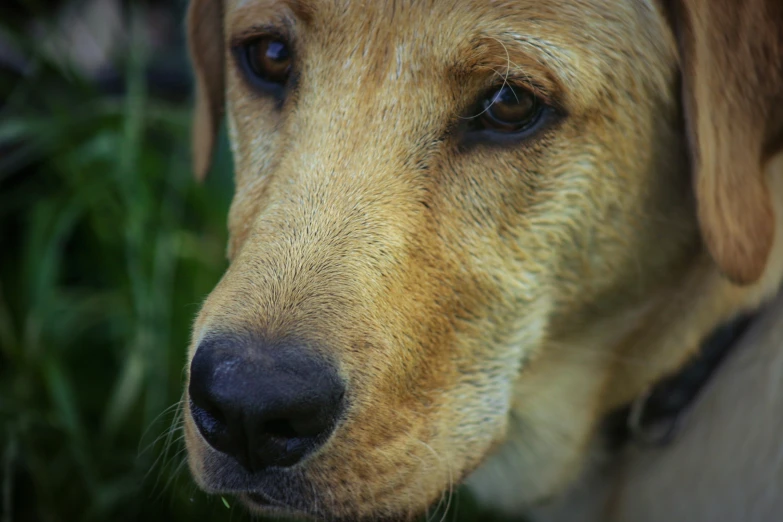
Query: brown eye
[[266, 62], [510, 109]]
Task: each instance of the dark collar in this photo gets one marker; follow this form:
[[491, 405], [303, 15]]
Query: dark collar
[[653, 418]]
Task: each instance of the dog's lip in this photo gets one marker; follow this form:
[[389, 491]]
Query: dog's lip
[[262, 501]]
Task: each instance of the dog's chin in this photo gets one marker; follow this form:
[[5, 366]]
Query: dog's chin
[[282, 492], [261, 504], [293, 506], [270, 501], [274, 491]]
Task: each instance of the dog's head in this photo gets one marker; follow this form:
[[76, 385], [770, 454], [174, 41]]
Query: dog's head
[[437, 204]]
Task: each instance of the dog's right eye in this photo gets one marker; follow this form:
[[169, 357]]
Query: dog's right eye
[[266, 62]]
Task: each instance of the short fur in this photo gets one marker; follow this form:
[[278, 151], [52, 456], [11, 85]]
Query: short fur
[[487, 305]]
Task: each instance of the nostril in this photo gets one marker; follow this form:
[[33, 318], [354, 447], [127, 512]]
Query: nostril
[[210, 422], [207, 420], [280, 428], [282, 442]]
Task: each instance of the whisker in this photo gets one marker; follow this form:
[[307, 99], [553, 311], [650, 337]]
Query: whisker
[[505, 83]]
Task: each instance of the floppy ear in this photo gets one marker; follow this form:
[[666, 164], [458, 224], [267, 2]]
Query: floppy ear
[[205, 41], [731, 58]]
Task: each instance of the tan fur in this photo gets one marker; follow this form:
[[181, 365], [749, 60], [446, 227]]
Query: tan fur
[[725, 463], [731, 56], [204, 34], [486, 305]]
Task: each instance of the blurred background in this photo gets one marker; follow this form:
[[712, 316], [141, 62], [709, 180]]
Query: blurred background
[[107, 248]]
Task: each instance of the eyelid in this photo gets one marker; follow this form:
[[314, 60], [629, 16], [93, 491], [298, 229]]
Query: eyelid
[[247, 36], [525, 82]]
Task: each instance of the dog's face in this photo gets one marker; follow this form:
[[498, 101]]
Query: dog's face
[[433, 199]]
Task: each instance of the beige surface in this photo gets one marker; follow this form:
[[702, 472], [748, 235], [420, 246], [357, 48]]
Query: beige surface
[[726, 465]]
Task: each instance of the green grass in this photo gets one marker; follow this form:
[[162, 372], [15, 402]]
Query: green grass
[[107, 248]]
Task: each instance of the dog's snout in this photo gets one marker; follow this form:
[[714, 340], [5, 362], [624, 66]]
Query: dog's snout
[[263, 405]]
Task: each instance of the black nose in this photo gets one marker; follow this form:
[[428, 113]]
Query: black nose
[[264, 406]]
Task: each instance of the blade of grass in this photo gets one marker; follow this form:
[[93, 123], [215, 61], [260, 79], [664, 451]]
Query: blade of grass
[[9, 456], [136, 205], [8, 338]]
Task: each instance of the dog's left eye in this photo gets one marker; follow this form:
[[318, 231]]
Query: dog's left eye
[[509, 110], [266, 62]]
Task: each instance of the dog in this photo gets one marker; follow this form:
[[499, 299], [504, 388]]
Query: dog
[[464, 233]]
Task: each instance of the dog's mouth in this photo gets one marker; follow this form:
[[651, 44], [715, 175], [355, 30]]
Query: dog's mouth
[[260, 501]]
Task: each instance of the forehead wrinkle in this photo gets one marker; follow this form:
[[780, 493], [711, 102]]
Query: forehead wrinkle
[[242, 12], [583, 46], [570, 49], [508, 55]]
